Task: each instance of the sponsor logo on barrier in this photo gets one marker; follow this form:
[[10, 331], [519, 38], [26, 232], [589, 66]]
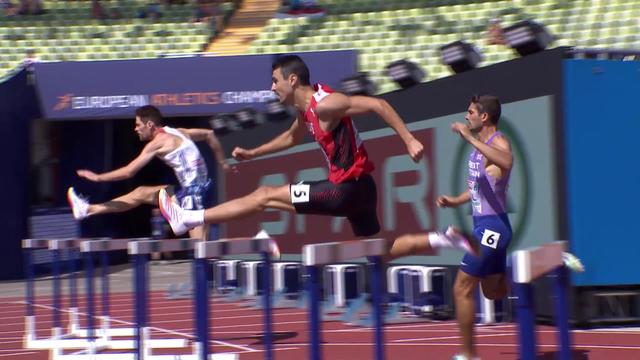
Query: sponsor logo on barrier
[[181, 86], [64, 102], [69, 101], [107, 102], [186, 99]]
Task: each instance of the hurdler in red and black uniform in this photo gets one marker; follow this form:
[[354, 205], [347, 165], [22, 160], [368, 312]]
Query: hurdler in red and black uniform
[[350, 190]]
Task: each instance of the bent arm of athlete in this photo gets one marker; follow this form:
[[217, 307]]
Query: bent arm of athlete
[[212, 140], [497, 153]]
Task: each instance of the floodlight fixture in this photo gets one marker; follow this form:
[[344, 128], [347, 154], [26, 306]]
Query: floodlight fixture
[[460, 56], [527, 37], [405, 73]]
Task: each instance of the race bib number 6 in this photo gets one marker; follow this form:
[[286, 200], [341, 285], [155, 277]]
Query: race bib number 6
[[299, 193], [490, 238]]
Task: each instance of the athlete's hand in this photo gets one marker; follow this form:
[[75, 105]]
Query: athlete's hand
[[444, 201], [461, 129], [88, 174], [242, 154], [415, 149]]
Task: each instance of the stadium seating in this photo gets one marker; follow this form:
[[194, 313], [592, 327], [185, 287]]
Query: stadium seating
[[382, 31], [67, 32]]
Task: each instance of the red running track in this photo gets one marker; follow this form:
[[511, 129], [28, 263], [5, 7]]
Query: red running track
[[235, 328]]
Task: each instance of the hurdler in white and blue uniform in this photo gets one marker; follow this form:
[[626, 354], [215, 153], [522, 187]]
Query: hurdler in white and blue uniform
[[177, 148], [190, 170]]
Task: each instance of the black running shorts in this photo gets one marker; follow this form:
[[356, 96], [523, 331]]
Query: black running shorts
[[354, 199]]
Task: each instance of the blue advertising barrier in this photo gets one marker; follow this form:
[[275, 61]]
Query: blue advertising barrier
[[194, 86], [602, 223]]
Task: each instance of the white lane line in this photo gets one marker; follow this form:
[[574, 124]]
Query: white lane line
[[167, 331]]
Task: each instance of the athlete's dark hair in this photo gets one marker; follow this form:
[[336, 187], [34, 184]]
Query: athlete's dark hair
[[292, 64], [150, 113], [488, 104]]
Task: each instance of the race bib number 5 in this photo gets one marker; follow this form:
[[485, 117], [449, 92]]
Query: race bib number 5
[[490, 238], [299, 193]]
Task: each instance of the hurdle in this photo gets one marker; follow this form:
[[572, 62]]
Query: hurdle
[[216, 249], [140, 251], [89, 339], [529, 265], [58, 339], [28, 246], [316, 255], [102, 247]]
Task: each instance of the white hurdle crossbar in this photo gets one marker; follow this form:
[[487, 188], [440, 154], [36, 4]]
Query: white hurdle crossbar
[[223, 247], [316, 255], [529, 265]]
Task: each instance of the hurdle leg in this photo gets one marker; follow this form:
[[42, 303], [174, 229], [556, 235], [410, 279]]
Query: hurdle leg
[[313, 288], [146, 342], [102, 331], [74, 322], [266, 281], [89, 273], [202, 309], [57, 301], [561, 312], [525, 315], [140, 263], [376, 298], [105, 324], [30, 326], [318, 254]]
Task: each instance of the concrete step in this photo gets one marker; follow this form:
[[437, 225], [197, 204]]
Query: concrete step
[[245, 26]]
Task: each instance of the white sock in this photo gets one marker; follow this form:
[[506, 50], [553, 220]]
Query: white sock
[[438, 240], [193, 218], [451, 240]]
